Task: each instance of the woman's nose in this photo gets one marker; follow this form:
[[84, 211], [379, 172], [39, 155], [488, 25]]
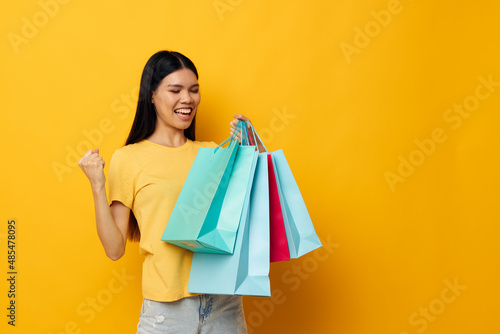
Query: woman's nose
[[186, 97]]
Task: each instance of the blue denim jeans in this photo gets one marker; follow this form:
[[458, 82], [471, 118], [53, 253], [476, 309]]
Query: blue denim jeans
[[200, 314]]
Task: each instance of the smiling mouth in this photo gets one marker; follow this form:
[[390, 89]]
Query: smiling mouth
[[183, 111]]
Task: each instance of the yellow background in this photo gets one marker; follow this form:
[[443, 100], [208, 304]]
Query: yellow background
[[346, 120]]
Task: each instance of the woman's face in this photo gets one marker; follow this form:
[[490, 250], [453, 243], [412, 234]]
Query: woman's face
[[176, 99]]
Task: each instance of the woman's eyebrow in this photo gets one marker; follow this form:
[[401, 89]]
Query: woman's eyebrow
[[181, 86]]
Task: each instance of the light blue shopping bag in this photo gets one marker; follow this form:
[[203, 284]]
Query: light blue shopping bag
[[246, 271], [300, 233], [301, 236], [206, 215]]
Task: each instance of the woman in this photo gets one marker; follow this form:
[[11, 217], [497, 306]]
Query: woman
[[145, 179]]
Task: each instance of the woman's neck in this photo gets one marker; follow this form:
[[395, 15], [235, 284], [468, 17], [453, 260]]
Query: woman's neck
[[168, 137]]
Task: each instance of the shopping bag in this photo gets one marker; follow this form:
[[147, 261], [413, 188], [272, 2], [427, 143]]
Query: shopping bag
[[246, 271], [253, 279], [278, 240], [206, 215], [277, 237], [301, 236]]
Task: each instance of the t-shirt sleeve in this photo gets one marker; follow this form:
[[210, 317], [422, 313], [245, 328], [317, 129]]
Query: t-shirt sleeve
[[121, 179]]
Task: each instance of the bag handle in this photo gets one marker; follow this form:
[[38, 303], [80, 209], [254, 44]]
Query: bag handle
[[248, 137], [256, 134], [244, 133], [231, 138]]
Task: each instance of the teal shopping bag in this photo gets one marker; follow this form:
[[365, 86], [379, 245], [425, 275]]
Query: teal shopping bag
[[301, 236], [206, 215], [246, 271]]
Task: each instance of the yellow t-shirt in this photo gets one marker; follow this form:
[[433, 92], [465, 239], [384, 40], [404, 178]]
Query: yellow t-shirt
[[148, 178]]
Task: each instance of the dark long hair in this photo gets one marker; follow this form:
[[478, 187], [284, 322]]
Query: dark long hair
[[158, 67]]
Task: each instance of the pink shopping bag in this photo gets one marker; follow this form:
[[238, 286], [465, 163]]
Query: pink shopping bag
[[278, 242]]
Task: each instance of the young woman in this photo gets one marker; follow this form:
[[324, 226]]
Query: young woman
[[145, 179]]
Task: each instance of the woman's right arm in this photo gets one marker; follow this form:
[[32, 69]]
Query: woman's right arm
[[111, 221]]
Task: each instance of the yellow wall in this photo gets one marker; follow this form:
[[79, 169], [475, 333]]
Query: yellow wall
[[388, 114]]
